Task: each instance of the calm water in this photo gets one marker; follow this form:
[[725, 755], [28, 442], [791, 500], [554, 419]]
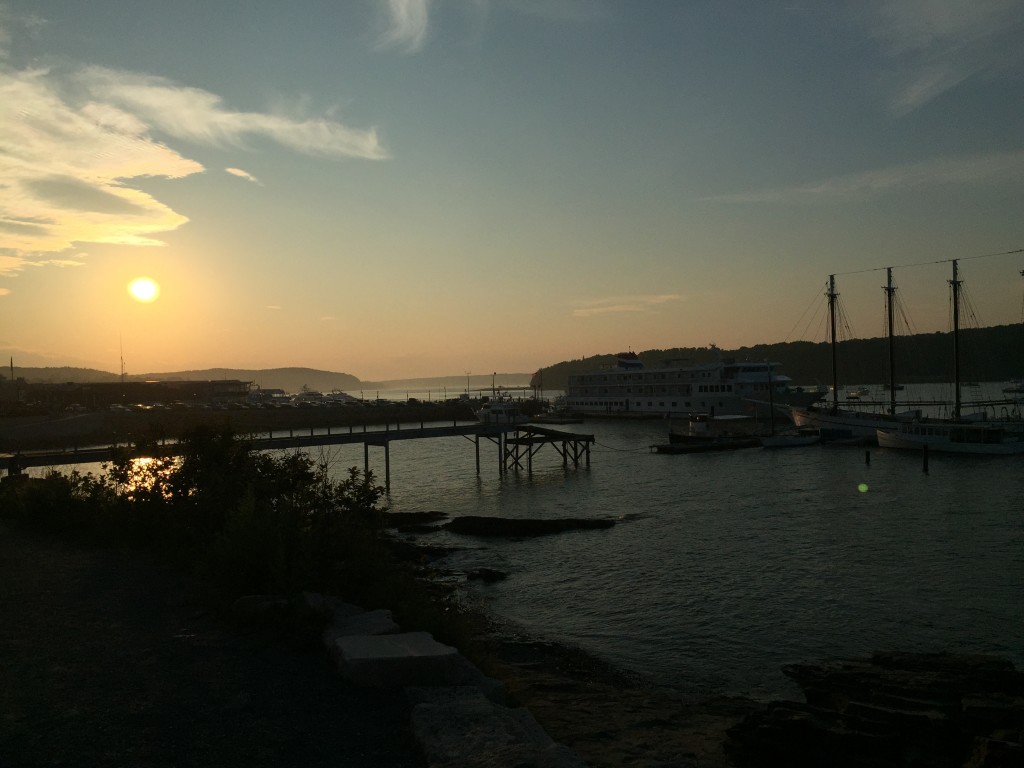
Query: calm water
[[725, 566]]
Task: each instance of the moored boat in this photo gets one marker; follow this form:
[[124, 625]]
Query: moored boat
[[978, 438], [796, 439], [837, 423], [680, 388], [705, 433], [500, 410]]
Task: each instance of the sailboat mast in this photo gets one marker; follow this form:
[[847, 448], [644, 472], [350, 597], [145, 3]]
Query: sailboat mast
[[832, 295], [889, 293], [955, 285]]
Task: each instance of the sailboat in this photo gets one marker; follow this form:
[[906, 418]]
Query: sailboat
[[975, 435], [834, 423], [850, 424], [805, 436]]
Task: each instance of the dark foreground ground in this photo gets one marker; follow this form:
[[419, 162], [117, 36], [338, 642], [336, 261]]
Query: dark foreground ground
[[107, 659]]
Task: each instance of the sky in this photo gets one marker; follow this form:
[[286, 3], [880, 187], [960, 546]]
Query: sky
[[408, 188]]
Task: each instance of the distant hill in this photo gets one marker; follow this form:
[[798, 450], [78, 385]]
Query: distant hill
[[986, 354], [288, 379]]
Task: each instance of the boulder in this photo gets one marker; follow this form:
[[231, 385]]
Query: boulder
[[460, 728], [892, 709], [477, 525]]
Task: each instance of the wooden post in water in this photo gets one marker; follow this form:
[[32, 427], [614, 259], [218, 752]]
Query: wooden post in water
[[924, 454], [476, 441], [387, 465]]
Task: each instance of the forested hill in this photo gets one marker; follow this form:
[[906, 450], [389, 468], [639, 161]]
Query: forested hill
[[288, 379], [986, 354]]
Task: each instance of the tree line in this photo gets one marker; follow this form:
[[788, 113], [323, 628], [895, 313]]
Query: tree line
[[986, 354]]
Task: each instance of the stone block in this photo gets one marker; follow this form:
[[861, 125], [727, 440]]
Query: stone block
[[396, 661]]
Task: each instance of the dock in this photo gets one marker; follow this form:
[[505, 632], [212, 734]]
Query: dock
[[516, 445]]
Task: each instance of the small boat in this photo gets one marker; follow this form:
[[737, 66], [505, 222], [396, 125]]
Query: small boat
[[977, 438], [699, 437], [858, 393], [500, 410], [796, 439]]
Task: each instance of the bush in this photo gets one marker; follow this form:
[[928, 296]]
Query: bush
[[245, 521]]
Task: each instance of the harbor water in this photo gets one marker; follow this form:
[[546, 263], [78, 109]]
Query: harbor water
[[722, 567]]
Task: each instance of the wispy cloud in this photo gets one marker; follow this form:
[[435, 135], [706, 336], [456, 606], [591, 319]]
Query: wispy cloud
[[934, 45], [969, 170], [73, 148], [64, 170], [59, 263], [243, 175], [407, 25], [620, 304], [200, 116]]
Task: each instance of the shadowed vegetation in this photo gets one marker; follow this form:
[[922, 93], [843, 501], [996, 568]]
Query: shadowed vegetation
[[245, 522]]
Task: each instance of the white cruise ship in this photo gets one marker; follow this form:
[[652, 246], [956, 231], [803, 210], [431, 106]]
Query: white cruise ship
[[722, 388]]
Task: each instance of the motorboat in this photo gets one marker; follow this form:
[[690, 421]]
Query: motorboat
[[705, 433], [500, 410]]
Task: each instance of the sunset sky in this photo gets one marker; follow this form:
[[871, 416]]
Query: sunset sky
[[424, 188]]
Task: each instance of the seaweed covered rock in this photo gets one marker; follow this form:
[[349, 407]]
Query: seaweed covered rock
[[893, 709], [476, 525]]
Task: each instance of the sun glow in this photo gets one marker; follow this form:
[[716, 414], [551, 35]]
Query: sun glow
[[144, 289]]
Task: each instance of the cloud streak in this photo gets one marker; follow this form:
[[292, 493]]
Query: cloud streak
[[407, 25], [243, 175], [622, 304], [935, 45], [972, 170], [199, 116]]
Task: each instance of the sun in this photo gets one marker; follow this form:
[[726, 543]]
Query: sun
[[144, 289]]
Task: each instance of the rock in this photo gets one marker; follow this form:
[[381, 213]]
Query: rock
[[475, 525], [260, 610], [379, 622], [893, 709], [399, 519], [326, 607], [486, 575], [460, 728]]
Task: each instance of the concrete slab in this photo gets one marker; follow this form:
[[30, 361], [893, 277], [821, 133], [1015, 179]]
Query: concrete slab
[[396, 661], [379, 622]]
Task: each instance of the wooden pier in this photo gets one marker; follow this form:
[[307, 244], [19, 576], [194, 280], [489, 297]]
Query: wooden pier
[[516, 444]]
